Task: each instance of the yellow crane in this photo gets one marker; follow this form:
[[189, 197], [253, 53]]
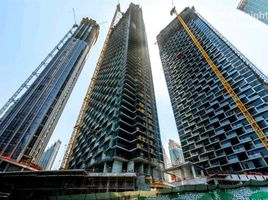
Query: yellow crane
[[77, 129], [257, 129]]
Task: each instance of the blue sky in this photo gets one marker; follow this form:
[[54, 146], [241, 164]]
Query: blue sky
[[31, 28]]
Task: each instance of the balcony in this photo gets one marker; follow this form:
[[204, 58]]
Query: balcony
[[255, 155], [215, 164], [225, 122], [226, 144], [214, 140], [204, 158], [209, 149], [199, 146], [258, 145], [246, 139], [220, 131], [214, 120], [194, 153], [191, 142], [231, 135], [237, 125], [233, 159], [240, 149], [221, 154]]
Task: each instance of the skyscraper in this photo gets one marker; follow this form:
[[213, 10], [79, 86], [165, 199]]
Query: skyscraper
[[167, 177], [175, 152], [165, 158], [219, 97], [119, 131], [255, 8], [27, 125], [48, 157]]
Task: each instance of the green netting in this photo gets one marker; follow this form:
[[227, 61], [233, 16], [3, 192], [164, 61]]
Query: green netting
[[259, 196], [208, 196], [225, 195]]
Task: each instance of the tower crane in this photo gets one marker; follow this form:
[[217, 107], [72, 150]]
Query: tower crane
[[256, 128]]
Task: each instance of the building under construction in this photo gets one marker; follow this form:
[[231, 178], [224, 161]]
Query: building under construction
[[117, 129], [48, 157], [175, 152], [255, 8], [30, 116], [45, 184], [219, 97]]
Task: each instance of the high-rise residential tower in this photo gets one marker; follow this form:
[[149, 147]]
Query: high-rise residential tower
[[48, 157], [27, 125], [255, 8], [219, 97], [165, 158], [119, 131], [175, 152]]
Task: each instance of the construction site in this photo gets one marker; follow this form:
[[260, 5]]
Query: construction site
[[115, 150], [187, 181]]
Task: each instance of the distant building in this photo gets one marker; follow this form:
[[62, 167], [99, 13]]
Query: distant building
[[167, 177], [219, 98], [255, 8], [48, 157], [175, 152], [166, 159]]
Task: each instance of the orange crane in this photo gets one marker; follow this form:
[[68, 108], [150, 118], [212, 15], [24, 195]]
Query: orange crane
[[257, 129], [77, 129]]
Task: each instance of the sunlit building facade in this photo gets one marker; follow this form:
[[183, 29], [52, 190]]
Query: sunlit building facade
[[255, 8], [175, 152], [48, 157], [120, 131], [214, 132], [27, 126]]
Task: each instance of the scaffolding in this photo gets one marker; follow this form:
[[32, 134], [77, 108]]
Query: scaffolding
[[77, 128], [41, 184]]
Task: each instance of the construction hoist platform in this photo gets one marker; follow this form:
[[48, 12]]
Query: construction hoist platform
[[71, 145], [256, 128]]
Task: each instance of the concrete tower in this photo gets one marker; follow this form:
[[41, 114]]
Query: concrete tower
[[119, 131]]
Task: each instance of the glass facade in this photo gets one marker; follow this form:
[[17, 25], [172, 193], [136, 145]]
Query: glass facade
[[120, 131], [26, 127], [213, 131], [175, 152], [255, 8], [48, 157]]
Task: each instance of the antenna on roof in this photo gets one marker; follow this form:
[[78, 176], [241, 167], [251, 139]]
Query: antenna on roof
[[74, 17], [173, 10]]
